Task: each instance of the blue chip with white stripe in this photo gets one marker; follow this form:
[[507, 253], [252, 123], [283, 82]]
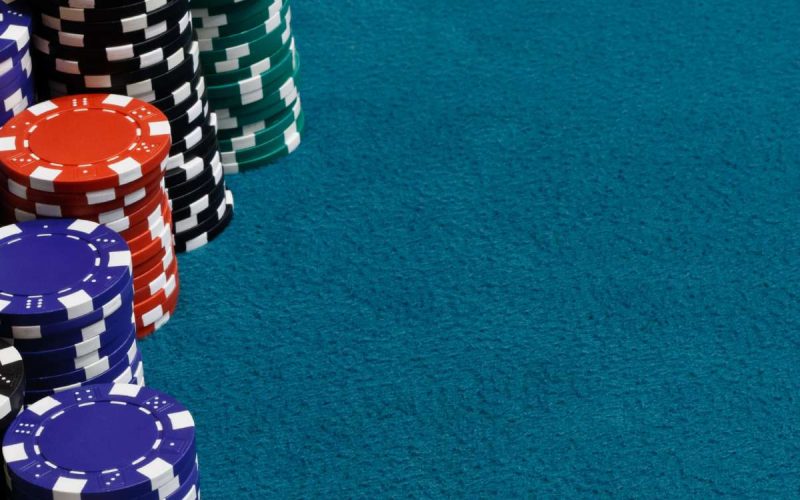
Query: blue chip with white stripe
[[99, 442], [59, 269]]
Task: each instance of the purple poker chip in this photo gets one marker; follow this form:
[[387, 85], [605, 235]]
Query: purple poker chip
[[93, 369], [99, 442], [112, 315], [124, 372], [59, 269], [59, 361]]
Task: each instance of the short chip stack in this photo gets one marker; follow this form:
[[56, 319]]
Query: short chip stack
[[109, 441], [66, 293], [16, 85], [144, 49], [98, 157], [12, 386], [248, 54]]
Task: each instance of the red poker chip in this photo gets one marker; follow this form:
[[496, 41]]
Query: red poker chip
[[145, 225], [129, 217], [148, 311], [84, 142], [82, 211], [89, 198], [153, 229], [152, 269], [151, 287], [159, 254], [162, 242], [171, 305]]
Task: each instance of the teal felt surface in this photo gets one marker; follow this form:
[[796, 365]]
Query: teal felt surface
[[526, 248]]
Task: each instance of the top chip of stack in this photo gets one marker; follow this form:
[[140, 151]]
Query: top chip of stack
[[103, 441], [248, 53], [16, 85], [145, 50], [98, 157], [66, 304]]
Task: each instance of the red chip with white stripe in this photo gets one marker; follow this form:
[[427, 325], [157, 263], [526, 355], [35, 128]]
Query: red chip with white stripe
[[85, 142]]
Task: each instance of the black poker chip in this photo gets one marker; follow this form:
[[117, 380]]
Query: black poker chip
[[12, 383], [51, 43], [98, 81], [208, 141], [86, 70], [94, 15], [148, 90], [183, 143], [189, 175], [195, 115], [199, 179], [119, 27], [187, 245], [184, 93], [198, 208]]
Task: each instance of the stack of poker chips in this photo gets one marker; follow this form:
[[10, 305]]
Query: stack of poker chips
[[103, 441], [99, 157], [66, 294], [12, 386], [16, 85], [143, 49], [248, 54]]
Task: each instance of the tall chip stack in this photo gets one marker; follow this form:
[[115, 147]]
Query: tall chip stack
[[144, 49], [99, 157], [248, 54], [16, 84], [107, 441], [66, 303]]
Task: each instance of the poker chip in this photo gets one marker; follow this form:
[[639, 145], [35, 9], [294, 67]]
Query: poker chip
[[98, 441], [252, 72], [12, 385], [154, 58], [16, 85], [66, 303], [100, 158]]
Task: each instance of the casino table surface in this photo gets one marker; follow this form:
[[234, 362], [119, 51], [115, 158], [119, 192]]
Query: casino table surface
[[526, 247]]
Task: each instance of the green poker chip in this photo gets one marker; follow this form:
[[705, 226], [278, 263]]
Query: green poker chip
[[243, 37], [246, 124], [235, 125], [257, 88], [250, 11], [271, 106], [233, 77], [279, 152], [270, 130], [259, 150], [244, 55]]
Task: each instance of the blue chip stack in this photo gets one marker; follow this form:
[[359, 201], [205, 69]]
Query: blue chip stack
[[16, 85], [109, 441], [66, 302]]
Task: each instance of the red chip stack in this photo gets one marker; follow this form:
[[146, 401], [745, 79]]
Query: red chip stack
[[99, 157]]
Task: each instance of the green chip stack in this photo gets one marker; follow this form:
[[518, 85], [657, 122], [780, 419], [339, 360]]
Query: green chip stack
[[251, 68]]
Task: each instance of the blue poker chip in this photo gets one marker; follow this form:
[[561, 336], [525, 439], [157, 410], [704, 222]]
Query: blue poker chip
[[124, 372], [16, 68], [114, 333], [99, 442], [126, 349], [55, 362], [59, 269], [185, 490], [112, 315], [15, 29]]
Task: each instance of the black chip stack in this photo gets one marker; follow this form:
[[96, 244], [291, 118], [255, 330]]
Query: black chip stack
[[143, 49]]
